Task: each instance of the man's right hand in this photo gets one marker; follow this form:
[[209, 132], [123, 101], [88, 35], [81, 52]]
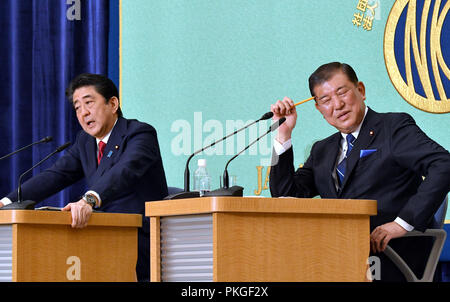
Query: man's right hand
[[284, 108], [81, 212]]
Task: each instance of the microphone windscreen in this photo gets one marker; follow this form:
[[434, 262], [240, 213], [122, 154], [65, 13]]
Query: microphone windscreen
[[267, 116], [60, 148], [46, 139]]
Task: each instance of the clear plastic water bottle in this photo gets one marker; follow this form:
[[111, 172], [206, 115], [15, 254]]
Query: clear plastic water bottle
[[202, 180]]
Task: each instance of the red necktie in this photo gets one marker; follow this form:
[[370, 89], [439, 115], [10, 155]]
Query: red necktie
[[101, 148]]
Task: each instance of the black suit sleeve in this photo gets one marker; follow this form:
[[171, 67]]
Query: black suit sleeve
[[414, 150], [285, 181]]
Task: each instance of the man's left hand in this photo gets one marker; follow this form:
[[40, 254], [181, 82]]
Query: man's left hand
[[81, 212], [382, 234]]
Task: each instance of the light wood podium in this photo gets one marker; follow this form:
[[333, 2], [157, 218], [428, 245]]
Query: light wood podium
[[248, 239], [42, 246]]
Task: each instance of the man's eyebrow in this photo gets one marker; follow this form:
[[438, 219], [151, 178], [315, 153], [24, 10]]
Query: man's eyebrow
[[83, 97], [326, 95], [322, 97]]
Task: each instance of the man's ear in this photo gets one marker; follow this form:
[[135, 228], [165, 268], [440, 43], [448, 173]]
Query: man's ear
[[362, 89], [114, 101]]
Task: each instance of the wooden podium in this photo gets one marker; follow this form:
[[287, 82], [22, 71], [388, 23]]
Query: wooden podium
[[247, 239], [42, 246]]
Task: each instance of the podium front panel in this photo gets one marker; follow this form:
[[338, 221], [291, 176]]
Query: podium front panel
[[6, 252], [260, 239], [187, 248], [59, 253], [266, 247], [40, 246]]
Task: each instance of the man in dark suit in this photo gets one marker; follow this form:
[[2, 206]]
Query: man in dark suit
[[119, 158], [373, 156]]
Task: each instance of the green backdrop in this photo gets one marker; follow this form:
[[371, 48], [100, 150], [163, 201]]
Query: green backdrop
[[195, 68]]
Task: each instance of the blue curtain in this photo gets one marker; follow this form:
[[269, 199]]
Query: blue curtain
[[41, 50]]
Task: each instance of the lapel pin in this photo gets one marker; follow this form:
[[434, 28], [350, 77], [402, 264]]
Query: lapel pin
[[110, 153], [117, 147], [371, 132]]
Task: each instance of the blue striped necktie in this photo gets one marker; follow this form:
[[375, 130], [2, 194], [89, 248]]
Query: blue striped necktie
[[340, 170]]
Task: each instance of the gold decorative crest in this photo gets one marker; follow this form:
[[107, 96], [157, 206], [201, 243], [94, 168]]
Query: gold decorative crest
[[426, 52]]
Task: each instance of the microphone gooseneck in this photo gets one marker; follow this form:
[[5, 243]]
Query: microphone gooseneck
[[19, 188], [29, 204], [272, 128], [186, 170], [186, 193], [44, 140], [237, 190]]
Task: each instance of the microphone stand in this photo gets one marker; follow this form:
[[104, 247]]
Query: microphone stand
[[193, 194], [238, 190], [44, 140], [29, 204]]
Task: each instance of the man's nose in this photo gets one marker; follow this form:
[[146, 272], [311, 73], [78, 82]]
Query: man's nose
[[338, 102], [84, 111]]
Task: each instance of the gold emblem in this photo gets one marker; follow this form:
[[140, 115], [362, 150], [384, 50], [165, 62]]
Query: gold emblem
[[414, 60], [262, 187]]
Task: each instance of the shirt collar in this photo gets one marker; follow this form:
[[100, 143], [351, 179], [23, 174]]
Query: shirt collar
[[356, 132], [106, 138]]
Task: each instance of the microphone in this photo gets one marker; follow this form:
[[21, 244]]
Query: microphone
[[238, 190], [29, 204], [188, 194], [44, 140], [266, 116]]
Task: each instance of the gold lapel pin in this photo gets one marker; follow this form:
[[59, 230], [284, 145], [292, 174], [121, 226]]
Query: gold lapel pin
[[117, 147], [371, 132]]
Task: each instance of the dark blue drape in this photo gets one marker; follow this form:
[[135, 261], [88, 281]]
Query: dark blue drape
[[41, 50]]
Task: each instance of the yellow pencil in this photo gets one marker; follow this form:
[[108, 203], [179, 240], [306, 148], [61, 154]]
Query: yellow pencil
[[304, 101]]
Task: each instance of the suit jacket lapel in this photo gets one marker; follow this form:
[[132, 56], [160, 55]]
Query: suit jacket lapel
[[119, 131], [331, 161], [368, 132], [91, 152]]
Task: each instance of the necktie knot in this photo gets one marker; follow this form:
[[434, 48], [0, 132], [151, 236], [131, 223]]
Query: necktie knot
[[350, 139], [101, 149]]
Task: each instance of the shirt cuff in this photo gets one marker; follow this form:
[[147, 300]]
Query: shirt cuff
[[281, 148], [96, 195], [404, 224], [6, 201]]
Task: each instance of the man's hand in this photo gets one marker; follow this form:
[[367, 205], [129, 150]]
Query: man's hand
[[383, 234], [284, 108], [81, 212]]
